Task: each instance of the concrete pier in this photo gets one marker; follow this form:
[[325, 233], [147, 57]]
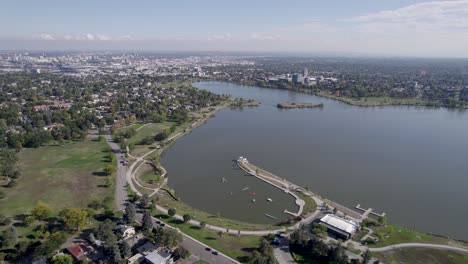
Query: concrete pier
[[368, 211]]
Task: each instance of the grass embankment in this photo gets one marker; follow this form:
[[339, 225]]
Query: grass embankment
[[237, 247], [422, 256], [64, 176], [310, 205], [147, 131], [391, 234], [148, 176], [215, 220]]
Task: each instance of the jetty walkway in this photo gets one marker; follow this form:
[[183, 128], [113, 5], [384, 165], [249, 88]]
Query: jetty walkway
[[274, 180]]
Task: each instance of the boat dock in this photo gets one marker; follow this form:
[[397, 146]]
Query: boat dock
[[367, 212]]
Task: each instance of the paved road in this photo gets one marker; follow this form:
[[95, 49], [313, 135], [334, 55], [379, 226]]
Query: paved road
[[421, 245], [121, 196], [197, 248], [281, 252]]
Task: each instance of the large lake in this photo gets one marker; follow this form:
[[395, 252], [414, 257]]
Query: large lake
[[410, 162]]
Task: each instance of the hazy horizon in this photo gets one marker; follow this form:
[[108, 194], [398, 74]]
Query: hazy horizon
[[400, 28]]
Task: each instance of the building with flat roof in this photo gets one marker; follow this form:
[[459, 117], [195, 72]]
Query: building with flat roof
[[340, 227], [158, 258]]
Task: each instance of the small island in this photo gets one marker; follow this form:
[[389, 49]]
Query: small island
[[298, 105]]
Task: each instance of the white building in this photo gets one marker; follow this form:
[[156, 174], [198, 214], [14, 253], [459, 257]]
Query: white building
[[338, 226]]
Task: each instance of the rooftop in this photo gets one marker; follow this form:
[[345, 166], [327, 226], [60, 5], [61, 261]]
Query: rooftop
[[346, 225]]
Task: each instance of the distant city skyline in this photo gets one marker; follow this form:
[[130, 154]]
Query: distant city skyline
[[407, 28]]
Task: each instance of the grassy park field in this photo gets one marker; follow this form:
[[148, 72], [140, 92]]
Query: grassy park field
[[237, 247], [143, 132], [63, 176], [422, 256], [392, 234]]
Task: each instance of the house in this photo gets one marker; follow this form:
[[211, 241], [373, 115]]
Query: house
[[338, 226], [158, 258], [147, 248], [126, 231], [138, 258], [78, 251]]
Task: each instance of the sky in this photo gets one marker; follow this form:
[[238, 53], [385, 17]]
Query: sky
[[406, 28]]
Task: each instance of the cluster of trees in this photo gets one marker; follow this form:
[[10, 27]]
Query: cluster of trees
[[114, 251], [264, 254], [8, 169], [315, 250], [166, 237]]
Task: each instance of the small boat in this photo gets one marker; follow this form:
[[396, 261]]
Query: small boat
[[230, 193], [253, 200], [223, 180], [269, 199], [267, 215], [245, 189]]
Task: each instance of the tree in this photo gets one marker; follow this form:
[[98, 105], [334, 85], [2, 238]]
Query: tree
[[125, 250], [202, 224], [105, 232], [113, 254], [298, 237], [366, 257], [171, 238], [8, 237], [130, 212], [62, 259], [265, 247], [51, 243], [109, 169], [187, 218], [171, 212], [382, 220], [28, 220], [147, 221], [42, 211], [145, 200], [181, 253], [319, 230], [74, 219]]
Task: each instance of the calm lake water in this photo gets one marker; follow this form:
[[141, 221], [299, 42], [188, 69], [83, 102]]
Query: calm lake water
[[410, 162]]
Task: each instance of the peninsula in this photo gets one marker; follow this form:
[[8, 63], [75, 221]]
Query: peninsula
[[298, 105]]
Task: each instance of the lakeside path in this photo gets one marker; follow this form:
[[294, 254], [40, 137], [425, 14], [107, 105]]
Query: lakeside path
[[418, 245]]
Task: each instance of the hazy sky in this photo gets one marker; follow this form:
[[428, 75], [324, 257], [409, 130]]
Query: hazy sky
[[360, 27]]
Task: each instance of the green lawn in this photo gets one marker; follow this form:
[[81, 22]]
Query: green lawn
[[200, 262], [237, 247], [149, 130], [148, 176], [61, 176], [392, 234], [422, 256], [310, 205]]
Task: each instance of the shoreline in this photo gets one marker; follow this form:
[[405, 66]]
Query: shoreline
[[351, 101], [230, 222], [226, 105]]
